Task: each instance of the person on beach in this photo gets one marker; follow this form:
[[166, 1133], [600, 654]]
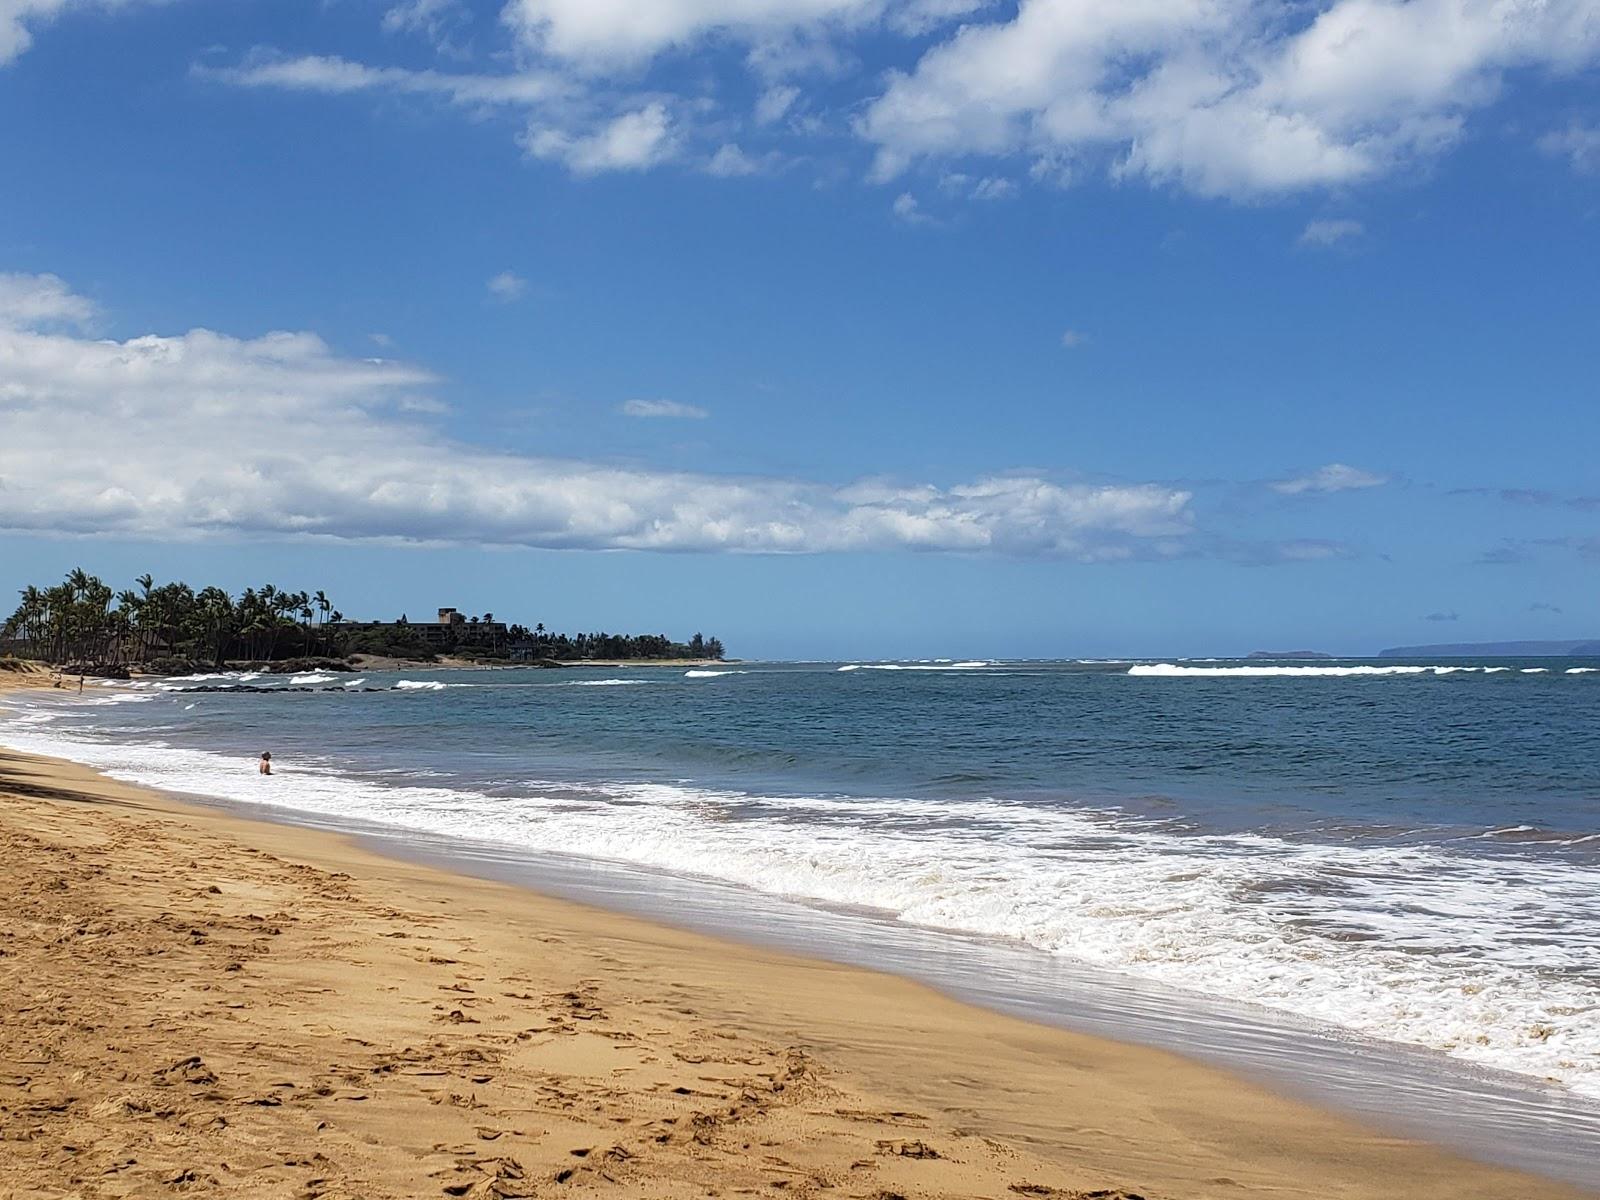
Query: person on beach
[[265, 766]]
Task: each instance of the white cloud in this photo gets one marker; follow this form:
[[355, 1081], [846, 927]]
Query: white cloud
[[333, 75], [1329, 232], [1578, 144], [909, 210], [729, 161], [993, 187], [1232, 98], [664, 408], [431, 18], [15, 36], [596, 34], [284, 438], [506, 286], [1073, 338], [570, 126], [18, 19], [32, 301], [1335, 477], [1223, 97], [633, 141], [422, 404], [774, 103]]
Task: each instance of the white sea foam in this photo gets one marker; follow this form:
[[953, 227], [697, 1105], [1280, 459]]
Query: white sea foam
[[710, 674], [420, 685], [604, 683], [1582, 670], [1173, 670], [352, 683], [308, 679], [934, 666], [184, 683], [1437, 947]]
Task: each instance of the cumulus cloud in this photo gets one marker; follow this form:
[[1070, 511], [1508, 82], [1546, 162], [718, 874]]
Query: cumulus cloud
[[1335, 477], [1226, 97], [1229, 98], [30, 301], [284, 437], [775, 102], [729, 161], [19, 18], [664, 408], [909, 209], [599, 34], [1330, 232], [570, 125], [632, 141], [506, 286]]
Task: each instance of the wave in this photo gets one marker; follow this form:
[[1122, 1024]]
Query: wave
[[604, 683], [920, 666], [1582, 670], [308, 679], [711, 674], [179, 683], [420, 685], [1173, 670], [1418, 944]]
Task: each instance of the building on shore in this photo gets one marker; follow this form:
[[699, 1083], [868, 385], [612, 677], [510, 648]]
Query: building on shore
[[453, 628]]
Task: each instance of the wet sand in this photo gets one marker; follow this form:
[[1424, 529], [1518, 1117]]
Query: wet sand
[[194, 1002]]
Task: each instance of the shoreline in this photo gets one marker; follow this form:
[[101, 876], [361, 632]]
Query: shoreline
[[1004, 1102]]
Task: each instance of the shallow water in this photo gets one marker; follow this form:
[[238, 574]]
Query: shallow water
[[1402, 853]]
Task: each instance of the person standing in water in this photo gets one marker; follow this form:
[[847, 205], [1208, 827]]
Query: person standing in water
[[265, 766]]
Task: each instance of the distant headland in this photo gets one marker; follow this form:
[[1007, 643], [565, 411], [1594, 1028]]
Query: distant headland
[[172, 628], [1573, 649]]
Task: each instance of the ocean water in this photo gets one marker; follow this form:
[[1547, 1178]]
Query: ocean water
[[1389, 853]]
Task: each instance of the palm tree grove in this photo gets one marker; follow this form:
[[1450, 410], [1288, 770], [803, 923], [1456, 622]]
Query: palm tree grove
[[84, 624]]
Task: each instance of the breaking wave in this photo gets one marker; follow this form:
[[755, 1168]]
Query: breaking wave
[[1178, 671], [919, 666]]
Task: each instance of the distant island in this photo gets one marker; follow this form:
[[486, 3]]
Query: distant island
[[172, 628], [1288, 654], [1575, 649]]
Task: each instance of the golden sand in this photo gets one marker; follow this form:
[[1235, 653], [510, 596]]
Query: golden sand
[[191, 1002]]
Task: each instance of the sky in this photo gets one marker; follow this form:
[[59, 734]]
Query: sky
[[835, 328]]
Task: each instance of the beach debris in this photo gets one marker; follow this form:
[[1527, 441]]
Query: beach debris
[[916, 1148]]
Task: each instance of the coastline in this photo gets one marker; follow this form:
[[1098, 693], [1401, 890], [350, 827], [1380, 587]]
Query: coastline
[[404, 985]]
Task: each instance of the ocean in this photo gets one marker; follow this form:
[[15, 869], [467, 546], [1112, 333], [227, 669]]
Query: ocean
[[1395, 858]]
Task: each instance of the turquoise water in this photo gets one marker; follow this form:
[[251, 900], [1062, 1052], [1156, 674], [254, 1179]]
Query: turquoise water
[[1401, 853]]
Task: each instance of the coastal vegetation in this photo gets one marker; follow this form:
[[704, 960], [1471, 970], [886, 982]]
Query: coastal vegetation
[[84, 622]]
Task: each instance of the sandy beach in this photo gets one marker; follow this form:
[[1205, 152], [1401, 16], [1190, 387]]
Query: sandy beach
[[198, 1002]]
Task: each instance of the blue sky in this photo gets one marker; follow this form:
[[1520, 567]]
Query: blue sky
[[835, 327]]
